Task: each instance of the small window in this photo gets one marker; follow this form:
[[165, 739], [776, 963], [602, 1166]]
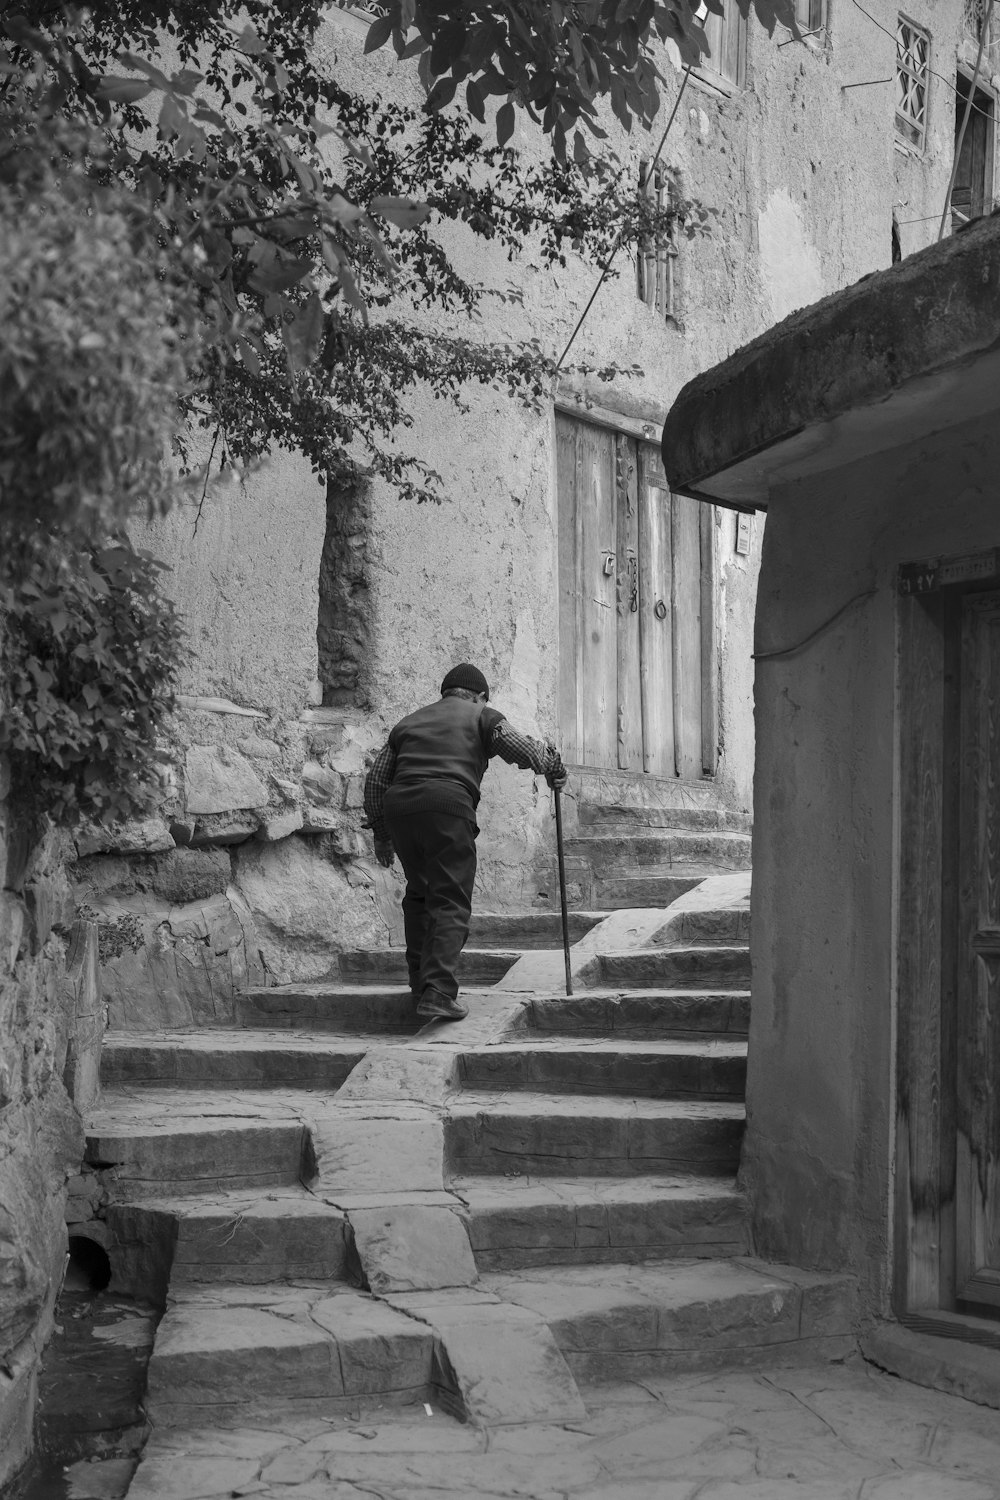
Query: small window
[[656, 261], [727, 41], [809, 15], [913, 53]]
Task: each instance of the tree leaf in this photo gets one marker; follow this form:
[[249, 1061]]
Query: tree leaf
[[123, 90], [378, 33], [402, 212], [505, 123]]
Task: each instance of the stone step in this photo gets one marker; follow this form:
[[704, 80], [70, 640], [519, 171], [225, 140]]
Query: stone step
[[638, 1068], [517, 1222], [562, 1135], [477, 966], [672, 851], [327, 1005], [232, 1350], [284, 1234], [616, 821], [643, 1013], [625, 892], [152, 1142], [712, 966], [232, 1059], [526, 930], [619, 1322]]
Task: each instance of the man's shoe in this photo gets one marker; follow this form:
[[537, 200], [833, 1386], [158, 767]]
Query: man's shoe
[[437, 1007]]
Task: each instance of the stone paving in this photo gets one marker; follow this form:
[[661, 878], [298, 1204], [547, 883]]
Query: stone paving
[[832, 1431]]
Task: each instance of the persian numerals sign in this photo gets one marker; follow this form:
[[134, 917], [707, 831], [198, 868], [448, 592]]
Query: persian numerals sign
[[941, 572]]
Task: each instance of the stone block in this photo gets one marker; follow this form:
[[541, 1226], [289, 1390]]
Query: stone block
[[218, 779], [191, 1155], [145, 836], [380, 1349], [372, 1150], [505, 1364], [304, 907], [281, 825], [412, 1248], [83, 1004], [194, 961], [224, 829], [186, 875], [12, 917], [218, 1355], [323, 787]]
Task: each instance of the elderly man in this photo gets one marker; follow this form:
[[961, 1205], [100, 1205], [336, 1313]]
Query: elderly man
[[421, 796]]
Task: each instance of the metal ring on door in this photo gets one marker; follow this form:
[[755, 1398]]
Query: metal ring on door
[[660, 610]]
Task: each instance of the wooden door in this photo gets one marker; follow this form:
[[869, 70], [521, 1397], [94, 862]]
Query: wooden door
[[977, 1080], [638, 666], [972, 190], [588, 621]]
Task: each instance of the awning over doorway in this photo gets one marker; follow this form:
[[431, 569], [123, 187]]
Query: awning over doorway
[[904, 353]]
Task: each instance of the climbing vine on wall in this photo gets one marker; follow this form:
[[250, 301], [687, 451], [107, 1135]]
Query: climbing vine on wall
[[88, 658]]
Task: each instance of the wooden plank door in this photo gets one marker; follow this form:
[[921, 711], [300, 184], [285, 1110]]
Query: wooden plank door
[[977, 1108], [656, 604], [588, 618], [638, 668], [630, 757]]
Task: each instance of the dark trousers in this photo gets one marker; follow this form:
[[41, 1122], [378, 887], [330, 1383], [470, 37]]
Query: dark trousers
[[438, 854]]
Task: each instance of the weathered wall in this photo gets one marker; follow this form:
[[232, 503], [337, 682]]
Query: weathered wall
[[818, 1151], [51, 1021], [800, 175]]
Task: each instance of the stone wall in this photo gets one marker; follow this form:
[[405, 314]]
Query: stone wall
[[51, 1022], [254, 871]]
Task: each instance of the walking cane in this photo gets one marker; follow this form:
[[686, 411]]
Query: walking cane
[[562, 892]]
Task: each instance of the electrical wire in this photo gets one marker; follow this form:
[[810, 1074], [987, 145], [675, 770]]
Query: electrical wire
[[807, 639], [606, 267], [931, 71]]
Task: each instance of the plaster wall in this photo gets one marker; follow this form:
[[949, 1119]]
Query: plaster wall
[[799, 175], [818, 1153]]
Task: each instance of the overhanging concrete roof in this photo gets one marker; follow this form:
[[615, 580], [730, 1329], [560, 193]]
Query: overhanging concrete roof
[[902, 354]]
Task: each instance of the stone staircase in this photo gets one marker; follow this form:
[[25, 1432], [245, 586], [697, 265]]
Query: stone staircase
[[336, 1208]]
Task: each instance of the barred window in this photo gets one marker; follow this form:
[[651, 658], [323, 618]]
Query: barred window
[[913, 55], [656, 262]]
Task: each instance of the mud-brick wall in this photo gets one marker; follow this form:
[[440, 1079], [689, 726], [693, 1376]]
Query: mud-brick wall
[[818, 1154], [51, 1021]]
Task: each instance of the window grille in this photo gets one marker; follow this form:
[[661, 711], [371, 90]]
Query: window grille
[[975, 18], [913, 51], [656, 262], [370, 9]]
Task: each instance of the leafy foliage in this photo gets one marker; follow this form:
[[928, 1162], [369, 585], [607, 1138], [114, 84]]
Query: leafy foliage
[[89, 649], [115, 935], [555, 59], [296, 208], [101, 332]]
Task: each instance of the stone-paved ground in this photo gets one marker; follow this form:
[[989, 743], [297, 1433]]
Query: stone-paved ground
[[840, 1431]]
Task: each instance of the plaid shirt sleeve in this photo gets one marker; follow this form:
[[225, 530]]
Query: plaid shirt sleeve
[[377, 783], [521, 750]]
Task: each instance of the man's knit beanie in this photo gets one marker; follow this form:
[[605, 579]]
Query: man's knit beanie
[[465, 675]]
